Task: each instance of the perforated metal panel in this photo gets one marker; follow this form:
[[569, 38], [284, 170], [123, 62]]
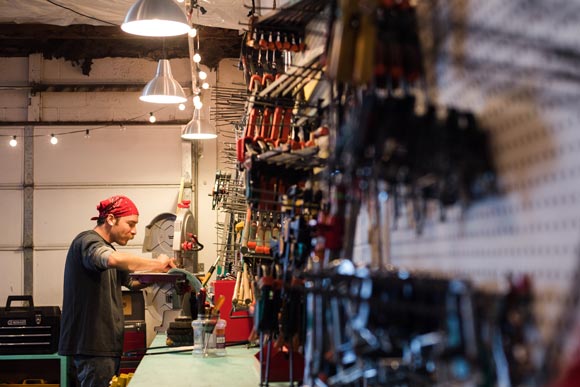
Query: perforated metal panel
[[516, 65]]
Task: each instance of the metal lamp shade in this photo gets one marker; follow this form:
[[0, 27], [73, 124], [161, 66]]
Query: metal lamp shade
[[198, 129], [163, 88], [155, 18]]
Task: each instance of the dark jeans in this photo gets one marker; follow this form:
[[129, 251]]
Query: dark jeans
[[96, 371]]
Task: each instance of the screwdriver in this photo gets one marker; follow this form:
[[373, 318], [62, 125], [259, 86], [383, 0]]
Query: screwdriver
[[211, 326], [210, 272]]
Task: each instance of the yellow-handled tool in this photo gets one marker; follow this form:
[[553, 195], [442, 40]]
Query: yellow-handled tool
[[209, 272]]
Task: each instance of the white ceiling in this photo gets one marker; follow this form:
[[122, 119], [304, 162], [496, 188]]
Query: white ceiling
[[220, 13]]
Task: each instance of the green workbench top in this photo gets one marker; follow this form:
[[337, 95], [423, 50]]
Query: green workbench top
[[239, 368]]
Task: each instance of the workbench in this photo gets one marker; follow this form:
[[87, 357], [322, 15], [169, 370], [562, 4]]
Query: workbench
[[181, 369], [49, 367]]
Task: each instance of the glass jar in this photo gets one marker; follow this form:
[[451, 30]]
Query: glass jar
[[204, 340]]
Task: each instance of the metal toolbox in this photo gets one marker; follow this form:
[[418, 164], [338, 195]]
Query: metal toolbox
[[28, 329]]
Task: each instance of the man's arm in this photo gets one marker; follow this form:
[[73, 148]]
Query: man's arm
[[131, 263]]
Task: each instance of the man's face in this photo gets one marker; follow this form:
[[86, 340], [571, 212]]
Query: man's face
[[124, 229]]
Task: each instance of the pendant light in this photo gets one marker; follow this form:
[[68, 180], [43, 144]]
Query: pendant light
[[163, 88], [198, 129], [156, 18]]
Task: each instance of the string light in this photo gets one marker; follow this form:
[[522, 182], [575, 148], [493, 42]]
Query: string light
[[13, 142], [194, 130], [181, 107], [152, 117], [192, 33], [197, 102], [87, 134]]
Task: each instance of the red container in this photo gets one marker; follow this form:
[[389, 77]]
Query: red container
[[239, 324]]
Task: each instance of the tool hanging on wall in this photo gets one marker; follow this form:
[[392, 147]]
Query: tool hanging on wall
[[243, 295], [341, 55]]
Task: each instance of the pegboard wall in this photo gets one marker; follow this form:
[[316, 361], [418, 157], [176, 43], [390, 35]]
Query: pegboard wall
[[516, 65]]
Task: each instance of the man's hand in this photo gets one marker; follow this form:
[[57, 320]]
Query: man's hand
[[166, 263]]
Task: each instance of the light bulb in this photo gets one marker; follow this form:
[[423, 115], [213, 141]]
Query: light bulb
[[13, 142], [152, 118], [180, 1], [181, 107], [197, 58], [197, 102], [202, 75], [122, 128], [87, 134], [53, 139], [192, 33], [205, 86]]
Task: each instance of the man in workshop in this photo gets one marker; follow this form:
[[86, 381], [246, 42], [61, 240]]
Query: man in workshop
[[92, 311]]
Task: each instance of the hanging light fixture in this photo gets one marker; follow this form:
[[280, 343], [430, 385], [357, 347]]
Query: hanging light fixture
[[198, 129], [156, 18], [163, 88]]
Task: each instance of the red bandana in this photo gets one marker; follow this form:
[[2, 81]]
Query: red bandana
[[118, 206]]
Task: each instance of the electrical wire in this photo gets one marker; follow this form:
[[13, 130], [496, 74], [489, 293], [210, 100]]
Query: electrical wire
[[80, 13], [85, 129]]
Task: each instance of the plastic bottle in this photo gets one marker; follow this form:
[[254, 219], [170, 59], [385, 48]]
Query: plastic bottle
[[220, 338], [199, 339]]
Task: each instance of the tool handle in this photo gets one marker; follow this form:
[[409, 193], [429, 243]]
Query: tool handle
[[19, 298], [266, 124], [246, 288], [276, 123], [286, 125], [210, 272], [201, 302], [237, 288], [255, 83], [218, 304]]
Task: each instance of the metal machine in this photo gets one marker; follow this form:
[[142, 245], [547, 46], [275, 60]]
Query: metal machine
[[173, 235]]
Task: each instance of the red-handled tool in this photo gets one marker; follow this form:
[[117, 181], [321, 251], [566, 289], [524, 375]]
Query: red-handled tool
[[263, 138], [271, 43], [266, 80], [248, 136], [254, 87], [286, 126], [276, 124], [263, 43], [286, 44], [278, 43]]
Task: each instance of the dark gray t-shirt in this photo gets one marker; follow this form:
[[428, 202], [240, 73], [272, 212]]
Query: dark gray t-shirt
[[92, 308]]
